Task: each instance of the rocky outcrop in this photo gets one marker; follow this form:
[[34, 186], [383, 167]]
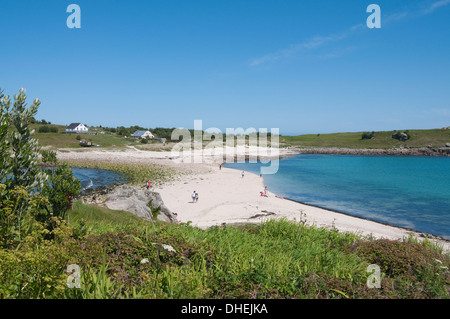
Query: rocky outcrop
[[136, 201]]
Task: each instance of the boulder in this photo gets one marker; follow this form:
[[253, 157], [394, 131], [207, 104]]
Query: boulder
[[133, 200]]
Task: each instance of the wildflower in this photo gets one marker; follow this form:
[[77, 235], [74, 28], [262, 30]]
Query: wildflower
[[145, 261]]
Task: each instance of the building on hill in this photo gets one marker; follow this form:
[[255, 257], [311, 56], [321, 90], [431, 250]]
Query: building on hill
[[142, 134], [78, 128]]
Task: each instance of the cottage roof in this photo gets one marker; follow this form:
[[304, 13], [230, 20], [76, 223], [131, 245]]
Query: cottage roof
[[139, 133], [73, 125]]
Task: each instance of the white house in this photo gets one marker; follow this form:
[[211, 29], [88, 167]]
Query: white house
[[142, 134], [77, 128]]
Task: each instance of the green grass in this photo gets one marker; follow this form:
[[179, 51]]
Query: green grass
[[102, 219], [381, 140], [60, 140], [277, 259], [137, 174]]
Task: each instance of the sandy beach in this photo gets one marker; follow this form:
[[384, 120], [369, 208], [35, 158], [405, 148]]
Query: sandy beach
[[227, 197]]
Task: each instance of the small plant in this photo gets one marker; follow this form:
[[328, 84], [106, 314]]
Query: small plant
[[155, 211]]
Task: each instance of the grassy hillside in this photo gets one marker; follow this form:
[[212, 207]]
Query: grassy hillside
[[121, 256], [60, 140], [381, 140]]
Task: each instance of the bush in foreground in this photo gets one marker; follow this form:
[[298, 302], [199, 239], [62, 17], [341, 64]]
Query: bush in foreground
[[124, 257]]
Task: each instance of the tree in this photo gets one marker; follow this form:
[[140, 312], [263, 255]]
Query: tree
[[19, 150], [20, 178], [27, 193], [62, 187]]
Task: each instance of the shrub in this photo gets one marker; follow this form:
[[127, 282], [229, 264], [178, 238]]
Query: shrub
[[401, 136], [412, 270], [367, 135], [44, 129], [47, 129]]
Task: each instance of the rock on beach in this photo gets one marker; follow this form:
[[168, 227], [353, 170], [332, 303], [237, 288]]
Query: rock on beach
[[134, 200]]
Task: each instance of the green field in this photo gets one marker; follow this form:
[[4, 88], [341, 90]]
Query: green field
[[381, 140], [62, 140]]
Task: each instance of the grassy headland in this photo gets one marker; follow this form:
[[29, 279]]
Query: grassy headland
[[380, 140], [352, 140]]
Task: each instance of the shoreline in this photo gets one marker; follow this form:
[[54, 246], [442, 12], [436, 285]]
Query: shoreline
[[226, 197], [417, 232], [401, 151], [252, 210]]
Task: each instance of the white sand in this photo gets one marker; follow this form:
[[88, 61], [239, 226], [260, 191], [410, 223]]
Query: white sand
[[226, 197]]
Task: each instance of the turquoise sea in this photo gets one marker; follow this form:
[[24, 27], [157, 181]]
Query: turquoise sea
[[410, 192], [93, 178]]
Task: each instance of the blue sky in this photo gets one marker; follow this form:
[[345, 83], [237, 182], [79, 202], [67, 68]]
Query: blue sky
[[301, 66]]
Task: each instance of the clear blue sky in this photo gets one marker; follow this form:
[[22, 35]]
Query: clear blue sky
[[302, 66]]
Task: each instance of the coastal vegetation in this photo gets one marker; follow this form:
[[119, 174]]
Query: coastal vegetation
[[121, 256], [370, 140], [54, 248], [52, 136], [136, 174]]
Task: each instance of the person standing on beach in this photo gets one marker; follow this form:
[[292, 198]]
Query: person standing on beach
[[243, 173], [265, 190], [196, 197], [193, 196]]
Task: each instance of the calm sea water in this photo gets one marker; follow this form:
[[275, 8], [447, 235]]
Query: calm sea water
[[411, 192], [93, 178]]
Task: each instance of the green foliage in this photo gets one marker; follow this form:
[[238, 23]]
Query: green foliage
[[19, 150], [17, 212], [276, 259], [48, 129], [411, 269], [162, 132], [367, 135], [383, 140], [155, 211], [28, 195], [20, 176], [62, 187], [401, 136], [136, 174], [48, 157]]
